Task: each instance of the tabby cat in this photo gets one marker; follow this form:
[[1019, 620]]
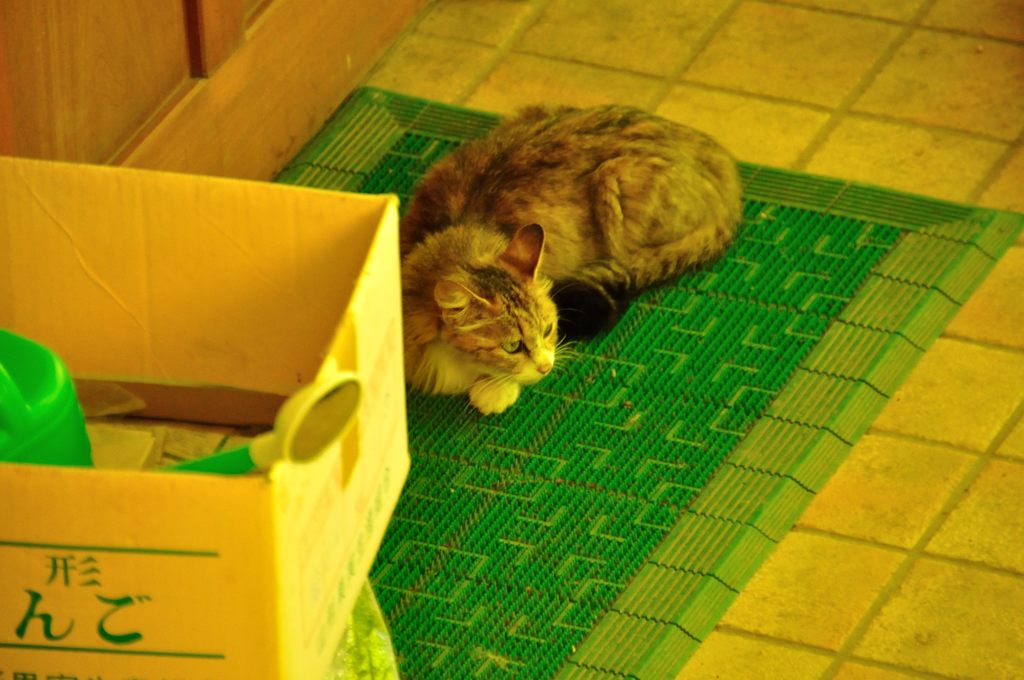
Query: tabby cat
[[556, 218]]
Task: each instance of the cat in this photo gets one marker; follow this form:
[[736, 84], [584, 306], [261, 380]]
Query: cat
[[545, 228]]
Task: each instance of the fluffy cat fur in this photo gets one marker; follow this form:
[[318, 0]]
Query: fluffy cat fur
[[558, 217]]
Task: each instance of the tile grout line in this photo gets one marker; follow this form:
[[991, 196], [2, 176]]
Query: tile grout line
[[848, 538], [760, 96], [970, 564], [698, 47], [903, 670], [841, 111], [1008, 458], [874, 543], [590, 64], [837, 12], [821, 108], [931, 127], [821, 651], [996, 169], [917, 439], [898, 577], [501, 52], [775, 641], [964, 33], [961, 32], [987, 344]]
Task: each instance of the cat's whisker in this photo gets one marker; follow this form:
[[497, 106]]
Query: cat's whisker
[[566, 347], [565, 355], [566, 360], [568, 354], [568, 357]]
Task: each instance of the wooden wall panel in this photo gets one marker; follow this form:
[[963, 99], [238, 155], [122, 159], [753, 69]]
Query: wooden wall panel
[[215, 29], [253, 8], [299, 59], [80, 77]]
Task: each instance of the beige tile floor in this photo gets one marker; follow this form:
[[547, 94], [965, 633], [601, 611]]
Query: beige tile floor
[[910, 563]]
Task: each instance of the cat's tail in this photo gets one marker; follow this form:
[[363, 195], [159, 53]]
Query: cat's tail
[[593, 299]]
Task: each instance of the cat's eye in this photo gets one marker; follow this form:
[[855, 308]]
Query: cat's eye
[[547, 331], [513, 347]]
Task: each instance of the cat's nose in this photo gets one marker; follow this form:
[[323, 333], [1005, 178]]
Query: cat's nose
[[544, 368]]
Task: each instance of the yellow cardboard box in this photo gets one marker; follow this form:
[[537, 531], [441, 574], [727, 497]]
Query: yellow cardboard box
[[234, 293]]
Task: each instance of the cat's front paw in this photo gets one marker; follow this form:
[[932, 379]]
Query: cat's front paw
[[493, 397]]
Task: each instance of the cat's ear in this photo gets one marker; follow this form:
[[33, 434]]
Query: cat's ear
[[452, 296], [524, 250]]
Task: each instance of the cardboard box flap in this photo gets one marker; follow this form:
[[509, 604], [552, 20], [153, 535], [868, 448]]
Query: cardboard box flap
[[180, 290]]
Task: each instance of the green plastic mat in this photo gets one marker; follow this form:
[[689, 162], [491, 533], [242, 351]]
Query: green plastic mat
[[602, 525]]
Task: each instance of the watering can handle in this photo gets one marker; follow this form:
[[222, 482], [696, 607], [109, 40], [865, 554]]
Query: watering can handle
[[308, 422], [311, 419]]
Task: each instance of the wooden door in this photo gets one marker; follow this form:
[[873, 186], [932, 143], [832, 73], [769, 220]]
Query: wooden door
[[80, 78]]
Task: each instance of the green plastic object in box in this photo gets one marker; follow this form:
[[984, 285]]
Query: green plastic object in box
[[41, 420]]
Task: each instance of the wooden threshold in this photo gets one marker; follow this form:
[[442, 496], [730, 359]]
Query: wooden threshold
[[298, 61]]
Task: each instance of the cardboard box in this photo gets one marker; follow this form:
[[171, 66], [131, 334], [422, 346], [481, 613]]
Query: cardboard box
[[213, 299]]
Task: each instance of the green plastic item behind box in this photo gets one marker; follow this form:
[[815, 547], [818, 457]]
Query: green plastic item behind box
[[365, 651], [41, 420]]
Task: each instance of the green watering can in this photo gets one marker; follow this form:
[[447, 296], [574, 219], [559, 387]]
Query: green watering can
[[41, 420]]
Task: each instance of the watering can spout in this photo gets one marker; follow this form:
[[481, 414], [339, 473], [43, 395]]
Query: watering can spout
[[308, 423]]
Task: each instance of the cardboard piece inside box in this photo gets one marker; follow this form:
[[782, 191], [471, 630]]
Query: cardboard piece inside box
[[123, 440], [200, 304]]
